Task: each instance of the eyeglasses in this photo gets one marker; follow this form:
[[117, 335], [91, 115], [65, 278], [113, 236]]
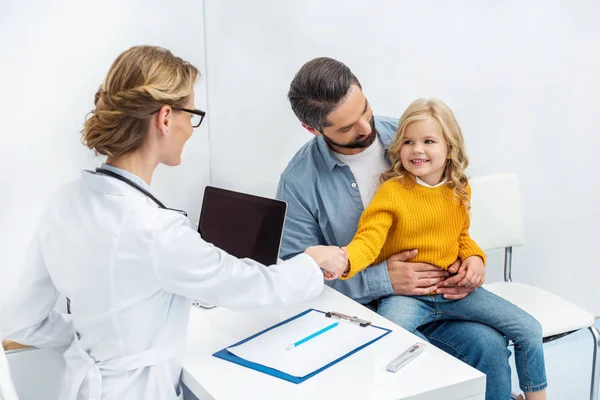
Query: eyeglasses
[[197, 115]]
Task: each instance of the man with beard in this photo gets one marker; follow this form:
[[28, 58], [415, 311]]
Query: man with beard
[[328, 184]]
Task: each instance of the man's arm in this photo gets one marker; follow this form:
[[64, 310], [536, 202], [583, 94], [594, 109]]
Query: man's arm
[[302, 230]]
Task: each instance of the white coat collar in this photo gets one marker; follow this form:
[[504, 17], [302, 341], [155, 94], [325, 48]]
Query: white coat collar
[[108, 185], [126, 174]]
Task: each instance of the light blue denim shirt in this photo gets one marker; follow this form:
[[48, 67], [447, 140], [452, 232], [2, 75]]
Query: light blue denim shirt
[[324, 207]]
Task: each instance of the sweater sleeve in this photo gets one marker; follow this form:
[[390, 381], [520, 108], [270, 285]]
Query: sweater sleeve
[[373, 228], [467, 246]]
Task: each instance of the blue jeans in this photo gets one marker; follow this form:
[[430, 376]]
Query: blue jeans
[[481, 308], [478, 345]]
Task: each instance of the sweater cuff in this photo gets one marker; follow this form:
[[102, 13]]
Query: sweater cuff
[[466, 253], [356, 261]]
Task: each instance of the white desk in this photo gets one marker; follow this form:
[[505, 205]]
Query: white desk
[[432, 375]]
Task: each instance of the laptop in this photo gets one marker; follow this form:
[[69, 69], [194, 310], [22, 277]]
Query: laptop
[[244, 225]]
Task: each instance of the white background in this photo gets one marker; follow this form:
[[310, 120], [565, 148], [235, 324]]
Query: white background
[[54, 56], [522, 78]]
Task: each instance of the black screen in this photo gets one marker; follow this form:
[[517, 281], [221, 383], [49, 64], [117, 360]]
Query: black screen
[[243, 225]]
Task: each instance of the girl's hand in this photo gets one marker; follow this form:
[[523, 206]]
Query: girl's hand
[[474, 272]]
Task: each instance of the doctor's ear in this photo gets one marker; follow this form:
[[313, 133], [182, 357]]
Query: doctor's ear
[[311, 130], [163, 119]]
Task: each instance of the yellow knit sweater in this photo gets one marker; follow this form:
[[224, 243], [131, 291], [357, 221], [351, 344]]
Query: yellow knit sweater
[[405, 217]]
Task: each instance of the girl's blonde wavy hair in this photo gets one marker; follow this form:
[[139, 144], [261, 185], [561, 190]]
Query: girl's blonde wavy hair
[[140, 81], [457, 155]]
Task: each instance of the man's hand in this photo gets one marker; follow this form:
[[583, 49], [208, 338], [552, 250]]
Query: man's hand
[[453, 292], [413, 279], [461, 284]]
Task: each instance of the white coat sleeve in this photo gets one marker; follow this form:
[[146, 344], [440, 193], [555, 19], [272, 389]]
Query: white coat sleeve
[[187, 265], [29, 316]]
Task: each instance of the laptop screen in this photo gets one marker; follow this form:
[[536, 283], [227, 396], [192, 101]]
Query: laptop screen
[[243, 225]]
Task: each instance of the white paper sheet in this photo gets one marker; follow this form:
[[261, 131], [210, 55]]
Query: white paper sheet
[[270, 348]]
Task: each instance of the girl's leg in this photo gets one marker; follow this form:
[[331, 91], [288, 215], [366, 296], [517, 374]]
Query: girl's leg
[[410, 312], [539, 395], [514, 323], [478, 345]]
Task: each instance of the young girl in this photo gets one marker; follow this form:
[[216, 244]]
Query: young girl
[[423, 204]]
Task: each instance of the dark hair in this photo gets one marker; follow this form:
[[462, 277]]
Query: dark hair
[[318, 88]]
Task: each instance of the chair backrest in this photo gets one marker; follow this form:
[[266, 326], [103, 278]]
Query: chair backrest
[[7, 388], [36, 373], [496, 211]]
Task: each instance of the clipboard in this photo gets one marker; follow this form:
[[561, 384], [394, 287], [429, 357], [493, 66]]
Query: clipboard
[[229, 356]]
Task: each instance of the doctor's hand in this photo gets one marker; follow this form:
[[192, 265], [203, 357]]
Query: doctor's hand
[[412, 278], [332, 259]]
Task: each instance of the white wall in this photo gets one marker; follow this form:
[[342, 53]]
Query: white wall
[[522, 78], [54, 56]]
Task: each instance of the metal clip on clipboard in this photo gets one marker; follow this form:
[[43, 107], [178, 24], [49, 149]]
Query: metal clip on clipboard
[[361, 322]]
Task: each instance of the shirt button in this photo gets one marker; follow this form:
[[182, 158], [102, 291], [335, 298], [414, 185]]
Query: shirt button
[[353, 184]]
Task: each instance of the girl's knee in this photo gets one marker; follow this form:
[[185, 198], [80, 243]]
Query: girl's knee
[[529, 334], [490, 344], [533, 330]]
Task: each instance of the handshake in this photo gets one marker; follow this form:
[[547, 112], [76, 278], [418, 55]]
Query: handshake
[[332, 260]]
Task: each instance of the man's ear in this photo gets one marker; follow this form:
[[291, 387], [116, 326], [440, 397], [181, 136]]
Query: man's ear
[[311, 130]]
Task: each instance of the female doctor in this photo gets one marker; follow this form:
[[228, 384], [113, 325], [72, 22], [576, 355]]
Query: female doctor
[[130, 266]]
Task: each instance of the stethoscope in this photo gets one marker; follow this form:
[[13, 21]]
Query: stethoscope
[[138, 188]]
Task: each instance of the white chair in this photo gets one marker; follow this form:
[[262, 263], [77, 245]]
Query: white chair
[[45, 367], [495, 224], [7, 388]]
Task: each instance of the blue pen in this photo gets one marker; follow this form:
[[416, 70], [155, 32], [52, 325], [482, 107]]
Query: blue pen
[[306, 339]]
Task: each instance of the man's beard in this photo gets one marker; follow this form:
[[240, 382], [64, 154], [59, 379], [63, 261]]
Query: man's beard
[[358, 143]]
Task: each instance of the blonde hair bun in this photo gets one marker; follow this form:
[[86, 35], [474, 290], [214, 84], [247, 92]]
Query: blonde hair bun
[[139, 82]]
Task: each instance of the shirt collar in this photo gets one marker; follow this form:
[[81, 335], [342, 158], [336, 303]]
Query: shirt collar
[[420, 182], [387, 136], [326, 152]]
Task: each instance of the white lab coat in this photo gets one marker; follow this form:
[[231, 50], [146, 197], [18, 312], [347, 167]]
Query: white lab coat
[[130, 270]]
